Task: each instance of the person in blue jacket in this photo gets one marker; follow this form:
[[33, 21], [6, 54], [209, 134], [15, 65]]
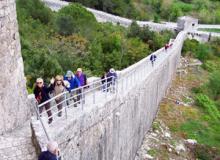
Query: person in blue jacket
[[52, 152], [111, 79], [74, 83]]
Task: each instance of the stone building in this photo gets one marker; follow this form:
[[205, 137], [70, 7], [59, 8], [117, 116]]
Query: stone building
[[187, 23], [14, 110]]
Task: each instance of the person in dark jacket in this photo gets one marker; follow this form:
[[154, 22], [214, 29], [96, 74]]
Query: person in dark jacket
[[52, 152], [111, 79], [83, 82], [41, 93], [153, 58]]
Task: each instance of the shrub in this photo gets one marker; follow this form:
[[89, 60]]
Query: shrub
[[77, 17], [65, 25], [36, 9], [214, 83], [208, 106]]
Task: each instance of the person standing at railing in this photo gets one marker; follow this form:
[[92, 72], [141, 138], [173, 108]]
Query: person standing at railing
[[74, 83], [153, 58], [52, 152], [58, 88], [41, 93], [111, 79], [82, 78]]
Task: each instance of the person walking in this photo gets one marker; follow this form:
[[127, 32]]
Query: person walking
[[41, 93], [73, 84], [166, 46], [153, 58], [58, 88], [111, 79], [82, 78]]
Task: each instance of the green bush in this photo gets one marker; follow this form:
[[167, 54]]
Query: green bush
[[154, 39], [203, 152], [65, 25], [35, 9], [197, 50], [77, 17], [210, 66], [208, 106], [214, 83]]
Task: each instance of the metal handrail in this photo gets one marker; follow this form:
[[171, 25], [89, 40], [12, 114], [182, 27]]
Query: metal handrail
[[76, 89]]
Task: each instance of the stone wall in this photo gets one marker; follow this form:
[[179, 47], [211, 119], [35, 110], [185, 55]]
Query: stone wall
[[18, 145], [14, 110], [106, 17], [114, 129]]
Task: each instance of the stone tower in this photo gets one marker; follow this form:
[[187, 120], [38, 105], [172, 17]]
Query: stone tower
[[14, 109]]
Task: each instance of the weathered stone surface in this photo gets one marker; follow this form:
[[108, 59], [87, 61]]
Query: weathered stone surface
[[14, 110], [17, 145]]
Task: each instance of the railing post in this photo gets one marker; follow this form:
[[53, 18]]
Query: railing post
[[106, 87], [117, 86], [37, 110], [82, 90], [113, 84], [65, 105], [42, 123]]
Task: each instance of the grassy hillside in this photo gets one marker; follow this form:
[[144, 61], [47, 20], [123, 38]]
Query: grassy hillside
[[53, 43], [200, 120], [208, 11]]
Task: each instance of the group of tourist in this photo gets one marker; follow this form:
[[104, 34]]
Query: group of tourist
[[59, 85], [74, 83]]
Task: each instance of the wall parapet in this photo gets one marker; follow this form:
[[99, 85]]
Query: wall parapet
[[114, 128]]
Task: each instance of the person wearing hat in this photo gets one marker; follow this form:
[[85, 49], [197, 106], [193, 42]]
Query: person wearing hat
[[73, 84], [41, 93], [52, 152], [83, 82], [111, 78], [58, 88]]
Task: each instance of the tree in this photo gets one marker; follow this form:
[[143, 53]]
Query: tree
[[134, 30], [36, 9], [79, 17], [65, 25]]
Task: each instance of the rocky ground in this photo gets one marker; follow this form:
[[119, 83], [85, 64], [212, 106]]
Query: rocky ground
[[160, 143]]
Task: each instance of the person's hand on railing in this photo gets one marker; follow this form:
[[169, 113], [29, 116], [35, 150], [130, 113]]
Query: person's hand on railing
[[66, 83], [52, 80]]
